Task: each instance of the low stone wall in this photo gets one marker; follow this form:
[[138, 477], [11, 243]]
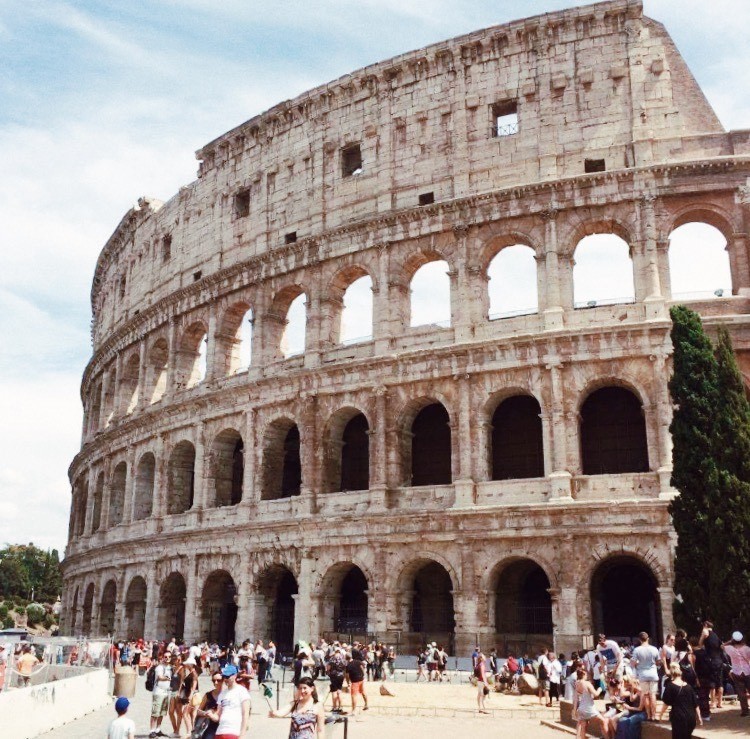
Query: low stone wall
[[28, 712]]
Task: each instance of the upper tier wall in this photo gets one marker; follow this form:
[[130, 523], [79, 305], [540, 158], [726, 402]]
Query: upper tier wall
[[600, 82]]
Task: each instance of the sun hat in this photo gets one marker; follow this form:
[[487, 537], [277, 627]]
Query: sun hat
[[737, 636], [121, 704], [229, 671]]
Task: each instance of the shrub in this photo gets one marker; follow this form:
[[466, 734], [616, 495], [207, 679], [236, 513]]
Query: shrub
[[3, 611], [34, 613], [49, 621], [8, 622]]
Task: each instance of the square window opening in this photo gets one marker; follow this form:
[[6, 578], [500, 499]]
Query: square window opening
[[504, 117], [197, 275], [594, 165], [290, 238], [427, 198], [242, 204], [351, 161]]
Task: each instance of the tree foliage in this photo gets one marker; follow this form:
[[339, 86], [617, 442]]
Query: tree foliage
[[25, 568], [711, 457]]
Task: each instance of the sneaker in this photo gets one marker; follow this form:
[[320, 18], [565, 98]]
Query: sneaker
[[152, 734]]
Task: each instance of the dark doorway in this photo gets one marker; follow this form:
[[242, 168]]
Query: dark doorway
[[517, 448], [352, 610], [181, 478], [172, 607], [291, 473], [219, 608], [431, 447], [355, 454], [282, 616], [432, 605]]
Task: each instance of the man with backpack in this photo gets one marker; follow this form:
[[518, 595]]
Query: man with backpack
[[161, 692]]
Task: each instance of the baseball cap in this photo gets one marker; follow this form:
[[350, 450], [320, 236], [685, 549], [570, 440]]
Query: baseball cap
[[121, 704], [229, 671]]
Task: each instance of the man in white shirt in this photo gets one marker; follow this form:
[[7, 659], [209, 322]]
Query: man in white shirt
[[554, 671], [122, 727], [160, 699], [233, 707], [610, 658]]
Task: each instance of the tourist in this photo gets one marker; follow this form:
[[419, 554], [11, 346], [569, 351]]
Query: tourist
[[555, 672], [666, 655], [703, 676], [160, 695], [739, 654], [584, 709], [422, 665], [121, 727], [483, 687], [711, 642], [432, 662], [442, 663], [271, 656], [175, 707], [306, 712], [233, 713], [336, 669], [542, 673], [645, 658], [188, 687], [681, 698], [261, 659], [302, 666], [206, 711], [25, 665], [355, 674], [610, 658]]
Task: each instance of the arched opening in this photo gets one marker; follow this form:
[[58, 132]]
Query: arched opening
[[432, 617], [74, 614], [517, 447], [523, 607], [293, 337], [348, 453], [107, 610], [218, 608], [129, 384], [602, 271], [625, 600], [88, 609], [234, 339], [172, 597], [512, 285], [228, 468], [430, 295], [108, 394], [613, 433], [135, 609], [181, 478], [158, 358], [282, 468], [144, 487], [699, 265], [80, 503], [192, 356], [431, 446], [356, 312], [96, 518], [95, 409], [278, 587], [117, 494]]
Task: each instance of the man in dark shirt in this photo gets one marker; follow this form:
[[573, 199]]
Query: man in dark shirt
[[355, 674]]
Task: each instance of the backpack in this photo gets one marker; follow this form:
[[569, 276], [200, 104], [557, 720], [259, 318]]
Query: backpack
[[151, 678], [543, 673], [688, 672]]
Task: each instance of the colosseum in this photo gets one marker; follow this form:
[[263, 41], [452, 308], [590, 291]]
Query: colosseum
[[278, 443]]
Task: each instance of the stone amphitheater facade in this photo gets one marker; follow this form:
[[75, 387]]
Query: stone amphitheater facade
[[501, 480]]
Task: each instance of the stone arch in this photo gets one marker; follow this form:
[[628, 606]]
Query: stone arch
[[625, 598], [219, 608], [234, 339], [345, 598], [278, 327], [107, 608], [515, 437], [429, 289], [594, 227], [427, 442], [227, 468], [129, 389], [88, 610], [430, 612], [277, 587], [191, 356], [613, 435], [118, 483], [135, 608], [181, 478], [172, 602], [520, 606], [603, 271], [699, 259], [512, 282], [80, 503], [282, 467], [347, 451], [74, 612], [143, 501], [157, 361], [95, 408], [96, 518], [708, 213]]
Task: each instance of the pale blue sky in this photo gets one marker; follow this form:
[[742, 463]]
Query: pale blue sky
[[103, 102]]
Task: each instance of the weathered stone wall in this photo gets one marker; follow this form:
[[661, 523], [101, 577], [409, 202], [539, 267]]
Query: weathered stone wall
[[154, 477]]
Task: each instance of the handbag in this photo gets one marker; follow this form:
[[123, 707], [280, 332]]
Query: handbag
[[200, 727]]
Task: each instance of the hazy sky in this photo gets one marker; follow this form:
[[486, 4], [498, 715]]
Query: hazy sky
[[103, 102]]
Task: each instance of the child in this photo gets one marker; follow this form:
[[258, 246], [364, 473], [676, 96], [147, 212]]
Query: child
[[121, 727]]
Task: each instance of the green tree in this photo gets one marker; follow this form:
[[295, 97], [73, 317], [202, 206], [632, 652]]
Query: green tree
[[25, 568], [13, 577], [51, 583], [694, 390]]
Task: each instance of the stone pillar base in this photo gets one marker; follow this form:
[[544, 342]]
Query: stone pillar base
[[655, 307], [666, 491], [553, 318], [561, 487], [378, 500], [465, 493]]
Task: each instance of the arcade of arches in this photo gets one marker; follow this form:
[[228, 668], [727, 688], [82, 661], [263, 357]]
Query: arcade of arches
[[517, 608]]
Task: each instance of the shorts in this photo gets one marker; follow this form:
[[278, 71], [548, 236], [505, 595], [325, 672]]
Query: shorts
[[544, 685], [337, 682], [432, 666], [480, 688], [355, 689], [648, 687], [159, 705]]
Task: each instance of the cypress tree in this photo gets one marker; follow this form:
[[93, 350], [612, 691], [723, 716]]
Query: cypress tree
[[694, 390]]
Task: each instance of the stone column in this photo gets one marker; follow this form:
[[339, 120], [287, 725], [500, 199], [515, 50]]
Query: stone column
[[379, 453], [560, 477], [551, 298], [462, 313], [464, 484], [468, 631], [244, 626], [313, 323], [330, 308], [303, 600], [192, 601], [567, 633], [161, 474], [106, 495], [117, 411], [101, 422], [142, 401], [200, 485], [173, 339], [119, 615], [649, 275], [250, 488], [663, 409], [310, 455], [127, 511], [90, 495], [740, 263], [152, 604], [211, 348], [666, 601]]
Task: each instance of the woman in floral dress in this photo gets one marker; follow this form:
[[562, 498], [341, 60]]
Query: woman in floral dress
[[306, 712]]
